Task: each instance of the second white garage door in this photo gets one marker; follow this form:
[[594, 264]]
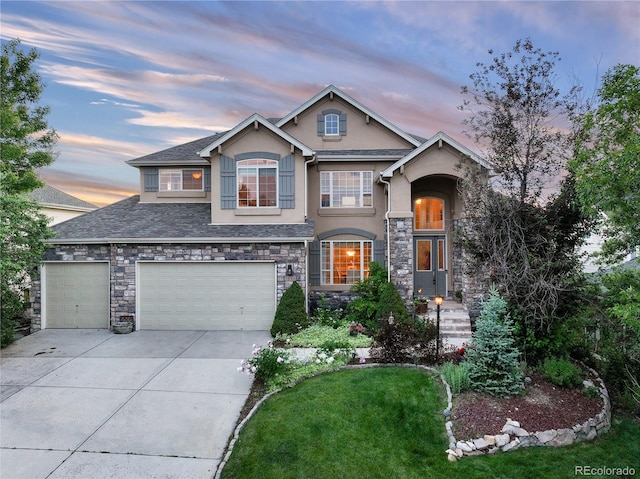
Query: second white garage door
[[203, 296]]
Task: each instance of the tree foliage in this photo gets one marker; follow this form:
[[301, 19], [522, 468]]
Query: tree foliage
[[25, 145], [512, 101], [516, 239], [607, 165], [494, 358]]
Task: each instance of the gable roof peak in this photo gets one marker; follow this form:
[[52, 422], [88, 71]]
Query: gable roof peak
[[334, 90], [256, 119]]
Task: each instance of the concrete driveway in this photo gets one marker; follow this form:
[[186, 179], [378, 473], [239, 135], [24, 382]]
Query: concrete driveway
[[92, 404]]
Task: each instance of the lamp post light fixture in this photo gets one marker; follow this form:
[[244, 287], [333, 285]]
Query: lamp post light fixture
[[438, 300]]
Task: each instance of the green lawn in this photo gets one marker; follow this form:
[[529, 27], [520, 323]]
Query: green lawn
[[387, 423]]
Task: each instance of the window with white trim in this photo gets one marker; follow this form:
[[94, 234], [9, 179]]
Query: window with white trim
[[345, 262], [331, 124], [257, 183], [346, 189], [181, 180]]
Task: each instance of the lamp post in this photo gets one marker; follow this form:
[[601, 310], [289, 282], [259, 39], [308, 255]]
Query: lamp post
[[438, 300]]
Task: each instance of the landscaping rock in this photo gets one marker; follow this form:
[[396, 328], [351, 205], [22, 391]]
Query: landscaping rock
[[563, 438], [515, 444], [480, 443], [514, 431], [491, 440], [510, 422], [546, 436], [464, 446], [502, 440], [452, 457]]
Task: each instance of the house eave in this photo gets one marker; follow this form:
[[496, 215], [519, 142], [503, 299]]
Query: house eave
[[257, 119]]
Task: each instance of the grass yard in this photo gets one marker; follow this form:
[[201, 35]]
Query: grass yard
[[387, 423]]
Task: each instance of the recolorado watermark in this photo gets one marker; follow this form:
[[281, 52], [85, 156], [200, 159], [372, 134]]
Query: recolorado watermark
[[605, 471]]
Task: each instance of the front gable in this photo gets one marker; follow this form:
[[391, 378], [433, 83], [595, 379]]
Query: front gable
[[260, 175], [332, 120]]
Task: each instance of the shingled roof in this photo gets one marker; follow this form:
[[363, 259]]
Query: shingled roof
[[186, 154], [53, 197], [134, 222]]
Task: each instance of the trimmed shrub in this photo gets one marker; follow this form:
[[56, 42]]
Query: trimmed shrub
[[402, 341], [562, 373], [493, 360], [391, 303], [291, 314]]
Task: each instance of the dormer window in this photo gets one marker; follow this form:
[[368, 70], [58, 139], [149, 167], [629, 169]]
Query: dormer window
[[332, 123], [182, 180]]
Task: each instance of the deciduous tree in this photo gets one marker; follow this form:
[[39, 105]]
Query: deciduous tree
[[26, 144]]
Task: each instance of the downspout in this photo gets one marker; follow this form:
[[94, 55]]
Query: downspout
[[386, 217], [306, 242], [313, 159]]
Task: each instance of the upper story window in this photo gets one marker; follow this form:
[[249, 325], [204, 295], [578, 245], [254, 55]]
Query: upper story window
[[331, 124], [346, 189], [428, 213], [257, 183], [181, 180]]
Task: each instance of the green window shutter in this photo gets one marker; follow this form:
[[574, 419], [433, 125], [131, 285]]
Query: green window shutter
[[207, 179], [227, 182], [287, 170], [320, 124], [343, 124], [379, 252], [151, 179], [314, 263]]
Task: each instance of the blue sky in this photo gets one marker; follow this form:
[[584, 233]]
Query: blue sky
[[129, 78]]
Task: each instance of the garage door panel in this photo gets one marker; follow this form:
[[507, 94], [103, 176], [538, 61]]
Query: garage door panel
[[76, 295], [206, 295]]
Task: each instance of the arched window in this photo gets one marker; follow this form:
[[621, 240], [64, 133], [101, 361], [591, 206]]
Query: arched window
[[428, 213], [257, 183], [331, 124]]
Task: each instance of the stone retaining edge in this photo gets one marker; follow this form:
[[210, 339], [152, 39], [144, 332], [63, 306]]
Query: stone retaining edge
[[514, 436]]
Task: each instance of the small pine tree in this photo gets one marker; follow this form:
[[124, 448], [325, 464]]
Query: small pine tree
[[493, 359], [391, 302], [291, 314]]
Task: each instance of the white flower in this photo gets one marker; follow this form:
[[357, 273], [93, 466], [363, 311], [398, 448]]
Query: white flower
[[240, 369], [280, 359], [330, 360], [318, 360], [253, 369]]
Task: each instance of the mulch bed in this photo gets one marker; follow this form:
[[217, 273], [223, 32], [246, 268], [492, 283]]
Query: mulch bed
[[543, 407]]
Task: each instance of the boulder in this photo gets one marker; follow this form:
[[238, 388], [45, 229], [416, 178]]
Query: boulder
[[480, 443], [546, 436], [563, 438], [491, 440], [514, 431], [515, 444], [464, 446], [502, 439]]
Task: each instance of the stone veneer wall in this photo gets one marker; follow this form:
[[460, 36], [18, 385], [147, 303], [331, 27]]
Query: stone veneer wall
[[122, 262], [401, 257]]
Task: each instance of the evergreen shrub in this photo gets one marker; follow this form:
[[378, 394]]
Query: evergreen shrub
[[291, 314]]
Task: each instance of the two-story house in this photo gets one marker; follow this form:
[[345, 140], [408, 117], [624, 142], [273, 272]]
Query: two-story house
[[223, 225]]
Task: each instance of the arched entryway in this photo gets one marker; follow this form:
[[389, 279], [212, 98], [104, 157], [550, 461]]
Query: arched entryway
[[429, 246]]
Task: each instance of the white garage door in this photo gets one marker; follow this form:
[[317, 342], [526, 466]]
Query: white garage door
[[76, 295], [201, 296]]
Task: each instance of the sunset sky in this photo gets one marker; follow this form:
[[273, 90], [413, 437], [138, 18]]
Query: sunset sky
[[128, 78]]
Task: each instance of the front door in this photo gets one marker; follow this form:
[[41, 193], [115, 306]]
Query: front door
[[429, 266]]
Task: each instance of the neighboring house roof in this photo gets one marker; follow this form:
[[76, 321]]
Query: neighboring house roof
[[255, 119], [187, 154], [440, 136], [333, 90], [51, 197], [131, 221]]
